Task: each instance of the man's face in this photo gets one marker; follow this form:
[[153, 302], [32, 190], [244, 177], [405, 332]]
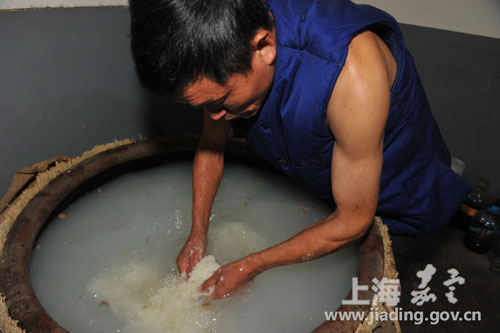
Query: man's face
[[242, 95]]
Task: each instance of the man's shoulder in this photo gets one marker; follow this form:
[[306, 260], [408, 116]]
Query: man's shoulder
[[369, 62], [361, 96]]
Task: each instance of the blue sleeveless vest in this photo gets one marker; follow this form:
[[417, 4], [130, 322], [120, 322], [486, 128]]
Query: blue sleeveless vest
[[418, 190]]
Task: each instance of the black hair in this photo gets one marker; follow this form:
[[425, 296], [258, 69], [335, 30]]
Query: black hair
[[175, 42]]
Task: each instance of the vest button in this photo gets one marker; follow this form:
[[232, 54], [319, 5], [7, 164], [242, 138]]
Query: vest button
[[283, 162]]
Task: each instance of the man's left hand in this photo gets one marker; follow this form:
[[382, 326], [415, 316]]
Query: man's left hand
[[231, 277]]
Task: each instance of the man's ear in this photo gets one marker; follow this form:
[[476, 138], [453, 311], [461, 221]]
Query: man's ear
[[264, 43]]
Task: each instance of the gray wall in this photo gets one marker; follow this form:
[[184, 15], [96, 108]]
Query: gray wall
[[67, 83], [477, 17], [461, 76]]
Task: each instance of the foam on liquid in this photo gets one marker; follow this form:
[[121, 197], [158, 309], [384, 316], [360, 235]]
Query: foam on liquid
[[173, 305]]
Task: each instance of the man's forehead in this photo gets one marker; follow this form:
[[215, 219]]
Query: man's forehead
[[203, 92]]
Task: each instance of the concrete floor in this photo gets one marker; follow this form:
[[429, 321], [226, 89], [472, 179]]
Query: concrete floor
[[444, 249]]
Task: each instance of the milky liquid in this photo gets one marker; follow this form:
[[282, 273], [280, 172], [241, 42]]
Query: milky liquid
[[124, 238]]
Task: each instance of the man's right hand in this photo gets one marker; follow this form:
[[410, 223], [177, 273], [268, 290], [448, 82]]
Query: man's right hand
[[192, 252]]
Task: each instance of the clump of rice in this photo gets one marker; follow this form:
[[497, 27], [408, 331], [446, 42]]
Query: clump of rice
[[152, 304]]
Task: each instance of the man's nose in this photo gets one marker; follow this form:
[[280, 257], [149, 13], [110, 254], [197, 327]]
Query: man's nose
[[217, 114]]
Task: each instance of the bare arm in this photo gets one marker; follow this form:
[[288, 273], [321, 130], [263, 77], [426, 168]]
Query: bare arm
[[208, 166], [357, 113]]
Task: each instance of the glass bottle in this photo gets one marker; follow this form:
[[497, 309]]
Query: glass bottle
[[484, 230], [479, 198]]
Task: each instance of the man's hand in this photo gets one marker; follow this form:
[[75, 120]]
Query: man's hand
[[231, 277], [192, 252]]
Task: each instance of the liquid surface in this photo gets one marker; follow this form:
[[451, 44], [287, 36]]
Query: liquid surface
[[97, 265]]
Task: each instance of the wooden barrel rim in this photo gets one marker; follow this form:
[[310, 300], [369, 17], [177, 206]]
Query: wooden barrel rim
[[15, 282]]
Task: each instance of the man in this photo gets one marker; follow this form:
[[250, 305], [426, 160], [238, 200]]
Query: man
[[325, 91]]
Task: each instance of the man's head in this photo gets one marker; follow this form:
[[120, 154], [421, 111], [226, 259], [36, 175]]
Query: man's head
[[218, 54]]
